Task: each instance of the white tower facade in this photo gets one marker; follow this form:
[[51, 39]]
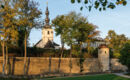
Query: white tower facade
[[47, 35]]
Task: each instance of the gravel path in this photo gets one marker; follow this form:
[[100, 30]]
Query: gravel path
[[122, 75]]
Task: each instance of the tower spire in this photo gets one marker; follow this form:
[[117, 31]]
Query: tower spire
[[47, 20]]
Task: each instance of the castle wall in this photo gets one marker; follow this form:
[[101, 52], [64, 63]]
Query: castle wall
[[43, 65]]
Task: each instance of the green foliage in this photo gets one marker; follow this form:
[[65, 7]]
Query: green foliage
[[8, 22], [115, 42], [74, 29], [125, 55], [95, 52], [72, 1], [40, 52], [18, 17], [100, 5]]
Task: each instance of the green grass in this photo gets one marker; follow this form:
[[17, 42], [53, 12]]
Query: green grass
[[93, 77], [2, 78], [13, 79], [90, 77]]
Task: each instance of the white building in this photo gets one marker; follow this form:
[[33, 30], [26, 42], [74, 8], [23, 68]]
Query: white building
[[96, 43], [47, 35]]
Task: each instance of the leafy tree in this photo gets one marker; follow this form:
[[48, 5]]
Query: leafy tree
[[8, 28], [60, 28], [28, 18], [19, 17], [116, 42], [74, 29], [125, 55], [100, 4], [91, 36]]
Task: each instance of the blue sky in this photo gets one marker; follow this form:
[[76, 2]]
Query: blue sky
[[117, 19]]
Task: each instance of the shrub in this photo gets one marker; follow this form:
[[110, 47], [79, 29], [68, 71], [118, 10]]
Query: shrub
[[125, 55]]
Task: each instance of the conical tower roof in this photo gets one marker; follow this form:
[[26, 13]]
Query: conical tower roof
[[47, 19]]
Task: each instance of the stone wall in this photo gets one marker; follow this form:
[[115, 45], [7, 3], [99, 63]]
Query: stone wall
[[117, 66], [42, 65]]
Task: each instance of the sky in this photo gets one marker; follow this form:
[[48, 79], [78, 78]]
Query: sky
[[117, 19]]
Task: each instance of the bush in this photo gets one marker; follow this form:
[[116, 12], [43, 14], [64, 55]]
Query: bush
[[125, 55]]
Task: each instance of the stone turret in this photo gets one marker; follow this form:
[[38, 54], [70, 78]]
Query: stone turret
[[103, 56]]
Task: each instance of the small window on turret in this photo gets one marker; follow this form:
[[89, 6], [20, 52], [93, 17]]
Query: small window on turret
[[48, 32], [51, 31]]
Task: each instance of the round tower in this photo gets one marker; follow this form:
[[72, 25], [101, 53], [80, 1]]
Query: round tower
[[103, 56]]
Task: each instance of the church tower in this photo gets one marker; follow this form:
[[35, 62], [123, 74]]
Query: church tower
[[47, 31], [47, 35]]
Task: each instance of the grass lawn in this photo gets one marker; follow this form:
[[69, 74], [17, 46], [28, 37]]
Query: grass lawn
[[14, 79], [93, 77]]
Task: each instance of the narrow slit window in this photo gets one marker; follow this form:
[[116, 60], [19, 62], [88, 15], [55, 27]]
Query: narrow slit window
[[48, 32]]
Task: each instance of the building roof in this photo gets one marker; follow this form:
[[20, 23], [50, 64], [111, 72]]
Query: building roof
[[49, 44], [103, 46], [38, 42]]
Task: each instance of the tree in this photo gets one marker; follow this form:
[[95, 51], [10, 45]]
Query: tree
[[8, 28], [74, 29], [91, 36], [116, 42], [125, 55], [28, 18], [19, 16], [100, 4], [60, 28]]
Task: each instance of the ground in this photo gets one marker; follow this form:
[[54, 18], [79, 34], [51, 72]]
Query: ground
[[94, 77], [90, 77]]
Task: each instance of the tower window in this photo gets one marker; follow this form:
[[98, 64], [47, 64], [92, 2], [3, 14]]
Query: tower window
[[105, 52], [51, 31], [48, 32]]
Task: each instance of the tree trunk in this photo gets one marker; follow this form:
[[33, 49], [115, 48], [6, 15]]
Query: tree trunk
[[81, 58], [80, 48], [3, 51], [61, 52], [62, 49], [7, 60], [70, 59], [88, 46], [25, 53]]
